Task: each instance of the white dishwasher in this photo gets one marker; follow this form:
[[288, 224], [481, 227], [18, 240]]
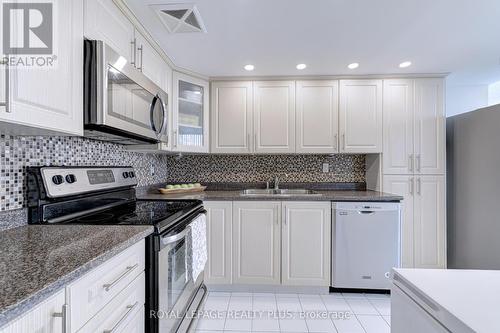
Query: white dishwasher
[[366, 244]]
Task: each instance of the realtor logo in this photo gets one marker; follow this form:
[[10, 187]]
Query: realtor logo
[[27, 28]]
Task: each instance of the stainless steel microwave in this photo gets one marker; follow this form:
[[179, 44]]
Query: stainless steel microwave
[[121, 104]]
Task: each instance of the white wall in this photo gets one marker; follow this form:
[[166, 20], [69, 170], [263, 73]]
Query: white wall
[[465, 98], [494, 93]]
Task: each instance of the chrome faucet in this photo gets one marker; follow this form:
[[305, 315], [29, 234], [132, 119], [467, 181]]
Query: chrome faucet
[[276, 183]]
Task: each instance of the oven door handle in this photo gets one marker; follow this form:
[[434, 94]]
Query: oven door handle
[[174, 238]]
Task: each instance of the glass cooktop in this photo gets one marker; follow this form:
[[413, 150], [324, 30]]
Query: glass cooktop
[[158, 213]]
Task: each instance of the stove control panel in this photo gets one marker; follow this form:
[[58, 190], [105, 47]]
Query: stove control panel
[[62, 181]]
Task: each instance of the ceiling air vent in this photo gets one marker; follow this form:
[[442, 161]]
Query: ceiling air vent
[[179, 18]]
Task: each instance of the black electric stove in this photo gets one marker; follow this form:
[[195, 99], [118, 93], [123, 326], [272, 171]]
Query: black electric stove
[[106, 196], [161, 214]]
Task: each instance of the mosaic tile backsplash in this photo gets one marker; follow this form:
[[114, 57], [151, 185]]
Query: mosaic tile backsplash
[[16, 153], [262, 168]]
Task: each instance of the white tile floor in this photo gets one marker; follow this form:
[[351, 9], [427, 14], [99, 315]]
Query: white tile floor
[[267, 312]]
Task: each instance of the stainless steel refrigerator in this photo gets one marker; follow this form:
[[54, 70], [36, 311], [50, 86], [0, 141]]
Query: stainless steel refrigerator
[[473, 189]]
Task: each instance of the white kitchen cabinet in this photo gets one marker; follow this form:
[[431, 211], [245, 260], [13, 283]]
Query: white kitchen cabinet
[[430, 130], [360, 116], [120, 313], [414, 127], [105, 21], [414, 166], [46, 317], [231, 117], [219, 235], [274, 116], [317, 116], [89, 294], [404, 186], [150, 62], [190, 114], [430, 222], [409, 317], [423, 219], [49, 100], [306, 243], [256, 242], [398, 154]]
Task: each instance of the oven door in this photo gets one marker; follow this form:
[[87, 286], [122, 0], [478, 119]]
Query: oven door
[[176, 287], [121, 100]]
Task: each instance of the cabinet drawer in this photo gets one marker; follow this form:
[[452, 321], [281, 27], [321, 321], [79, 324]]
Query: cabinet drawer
[[125, 313], [136, 324], [92, 292]]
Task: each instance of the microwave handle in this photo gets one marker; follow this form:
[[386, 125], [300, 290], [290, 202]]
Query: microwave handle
[[157, 99]]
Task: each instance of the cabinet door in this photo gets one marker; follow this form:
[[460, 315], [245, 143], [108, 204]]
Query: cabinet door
[[256, 242], [317, 116], [429, 126], [306, 243], [274, 116], [41, 319], [398, 156], [231, 117], [410, 317], [219, 217], [190, 114], [50, 99], [429, 223], [150, 62], [405, 186], [103, 20], [360, 116]]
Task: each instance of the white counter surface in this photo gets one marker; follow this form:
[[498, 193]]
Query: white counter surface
[[471, 297]]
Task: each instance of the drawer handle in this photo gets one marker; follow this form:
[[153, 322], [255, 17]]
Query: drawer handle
[[130, 308], [128, 270]]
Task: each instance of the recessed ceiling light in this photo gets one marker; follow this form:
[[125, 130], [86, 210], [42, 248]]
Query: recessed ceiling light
[[354, 65], [405, 64], [249, 67], [301, 66]]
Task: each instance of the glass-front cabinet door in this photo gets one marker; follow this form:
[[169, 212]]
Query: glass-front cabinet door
[[190, 116]]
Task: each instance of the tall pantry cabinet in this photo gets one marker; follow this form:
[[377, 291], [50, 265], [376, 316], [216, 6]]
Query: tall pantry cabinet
[[414, 166]]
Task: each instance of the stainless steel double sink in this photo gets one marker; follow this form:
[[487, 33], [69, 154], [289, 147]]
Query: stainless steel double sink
[[279, 192]]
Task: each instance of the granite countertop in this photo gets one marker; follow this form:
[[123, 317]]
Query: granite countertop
[[234, 195], [38, 260]]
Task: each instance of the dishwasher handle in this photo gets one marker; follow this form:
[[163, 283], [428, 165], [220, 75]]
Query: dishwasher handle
[[366, 212]]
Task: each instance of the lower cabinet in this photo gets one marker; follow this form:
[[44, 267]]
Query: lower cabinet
[[256, 242], [306, 243], [46, 317], [424, 218], [219, 245], [409, 317], [110, 298], [268, 242]]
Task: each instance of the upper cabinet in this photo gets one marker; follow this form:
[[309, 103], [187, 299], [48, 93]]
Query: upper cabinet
[[49, 99], [317, 116], [274, 116], [150, 62], [414, 127], [231, 117], [399, 113], [360, 116], [190, 114], [430, 130], [104, 21]]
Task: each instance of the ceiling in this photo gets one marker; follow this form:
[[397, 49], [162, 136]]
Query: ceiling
[[437, 36]]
